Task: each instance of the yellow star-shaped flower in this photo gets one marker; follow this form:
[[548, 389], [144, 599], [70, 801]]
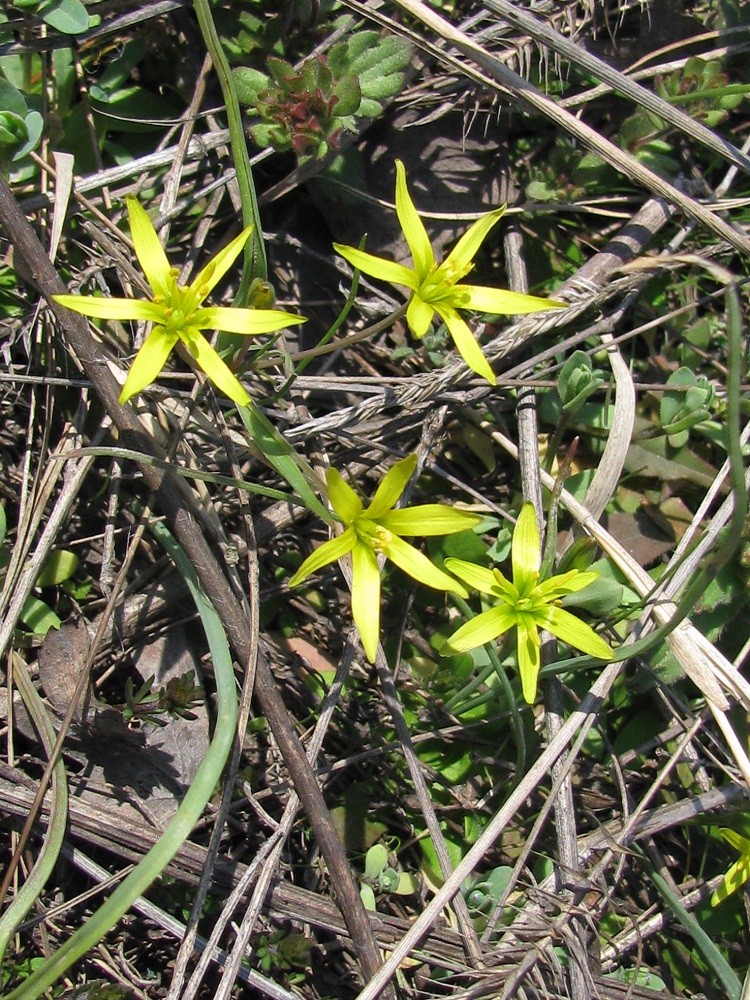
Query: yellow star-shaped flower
[[177, 312], [435, 288], [379, 528], [528, 604]]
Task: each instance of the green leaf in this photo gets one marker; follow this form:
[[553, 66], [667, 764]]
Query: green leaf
[[118, 72], [38, 616], [407, 884], [284, 459], [348, 94], [430, 866], [11, 99], [34, 124], [358, 43], [264, 135], [249, 83], [601, 597], [60, 566], [370, 108], [376, 860], [281, 71], [541, 191], [578, 380], [68, 16], [368, 897], [387, 56]]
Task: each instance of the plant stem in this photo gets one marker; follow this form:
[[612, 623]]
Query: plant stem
[[256, 265]]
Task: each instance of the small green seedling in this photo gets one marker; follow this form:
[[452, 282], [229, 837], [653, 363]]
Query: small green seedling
[[382, 878], [681, 410]]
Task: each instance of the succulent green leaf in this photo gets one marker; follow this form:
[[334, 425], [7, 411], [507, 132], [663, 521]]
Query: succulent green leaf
[[408, 884], [60, 566], [376, 860], [368, 897], [39, 617]]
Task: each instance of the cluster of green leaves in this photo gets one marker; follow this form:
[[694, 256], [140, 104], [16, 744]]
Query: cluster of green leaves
[[175, 698], [127, 112], [382, 877], [283, 952], [20, 128], [702, 89], [567, 173], [308, 110]]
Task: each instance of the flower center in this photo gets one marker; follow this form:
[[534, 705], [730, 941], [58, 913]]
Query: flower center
[[179, 305], [373, 534]]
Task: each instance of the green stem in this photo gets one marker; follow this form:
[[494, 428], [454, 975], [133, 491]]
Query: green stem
[[50, 849], [190, 810], [510, 698], [256, 265]]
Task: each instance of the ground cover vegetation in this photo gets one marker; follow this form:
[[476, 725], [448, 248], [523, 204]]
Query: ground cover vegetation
[[374, 555]]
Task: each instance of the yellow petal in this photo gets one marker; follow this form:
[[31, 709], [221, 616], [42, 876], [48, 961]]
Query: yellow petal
[[105, 308], [378, 267], [420, 568], [734, 879], [478, 577], [148, 249], [249, 322], [344, 500], [529, 660], [502, 302], [366, 598], [217, 370], [413, 227], [331, 551], [148, 362], [466, 343], [391, 487], [486, 627], [419, 316], [525, 550], [209, 276], [466, 249], [576, 633], [429, 519]]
